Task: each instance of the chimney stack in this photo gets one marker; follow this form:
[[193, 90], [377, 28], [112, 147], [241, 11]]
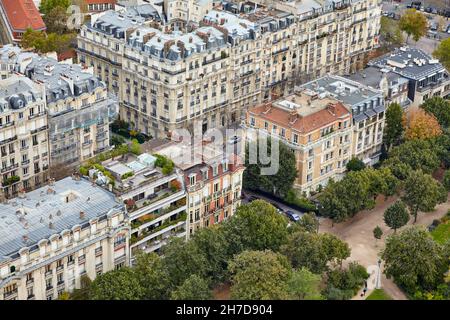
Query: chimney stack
[[82, 215]]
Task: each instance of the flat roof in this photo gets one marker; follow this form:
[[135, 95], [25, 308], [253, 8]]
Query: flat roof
[[31, 216]]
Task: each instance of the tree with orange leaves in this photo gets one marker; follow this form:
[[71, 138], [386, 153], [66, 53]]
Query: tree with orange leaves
[[422, 125]]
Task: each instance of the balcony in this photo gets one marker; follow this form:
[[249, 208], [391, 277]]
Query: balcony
[[30, 282], [164, 227], [99, 266], [161, 214], [59, 268], [10, 294], [159, 199], [81, 259], [98, 251]]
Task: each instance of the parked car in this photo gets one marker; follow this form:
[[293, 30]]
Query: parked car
[[428, 9], [293, 216], [433, 26]]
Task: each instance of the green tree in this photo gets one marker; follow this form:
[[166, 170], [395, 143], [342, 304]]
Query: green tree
[[343, 284], [119, 284], [183, 259], [314, 251], [259, 275], [213, 244], [135, 147], [439, 107], [46, 6], [422, 193], [414, 23], [309, 222], [44, 43], [446, 180], [442, 53], [56, 20], [355, 164], [396, 216], [278, 184], [152, 275], [193, 288], [377, 233], [255, 226], [417, 154], [82, 293], [390, 31], [304, 285], [413, 259], [393, 131]]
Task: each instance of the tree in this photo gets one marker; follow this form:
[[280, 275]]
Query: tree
[[278, 184], [446, 180], [413, 259], [309, 222], [396, 216], [193, 288], [343, 284], [442, 53], [84, 291], [135, 147], [255, 226], [417, 154], [304, 285], [183, 259], [259, 275], [47, 5], [414, 23], [422, 193], [394, 125], [314, 251], [377, 233], [44, 43], [152, 275], [390, 32], [355, 164], [422, 126], [119, 284], [56, 20], [213, 244], [439, 107]]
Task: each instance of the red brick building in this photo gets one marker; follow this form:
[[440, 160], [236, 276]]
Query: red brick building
[[18, 16]]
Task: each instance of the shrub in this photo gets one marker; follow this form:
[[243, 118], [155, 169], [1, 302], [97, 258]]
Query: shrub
[[302, 203], [84, 171]]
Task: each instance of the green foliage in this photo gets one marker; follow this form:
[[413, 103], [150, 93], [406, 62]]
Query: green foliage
[[396, 216], [10, 180], [394, 129], [417, 154], [193, 288], [377, 233], [126, 175], [442, 53], [47, 5], [343, 284], [414, 23], [56, 20], [314, 251], [439, 107], [278, 184], [259, 275], [135, 147], [44, 43], [300, 202], [355, 192], [304, 285], [414, 260], [83, 171], [121, 284], [152, 275], [82, 293], [422, 193], [441, 234], [183, 259], [117, 140], [255, 226], [390, 31], [309, 222], [165, 163], [355, 165], [213, 245]]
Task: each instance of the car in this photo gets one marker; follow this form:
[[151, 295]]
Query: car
[[434, 26], [434, 11], [234, 140], [293, 216], [428, 9]]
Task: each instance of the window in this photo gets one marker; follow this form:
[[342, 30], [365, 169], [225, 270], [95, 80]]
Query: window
[[295, 138], [216, 187], [266, 125], [215, 170], [192, 179], [48, 284], [225, 166]]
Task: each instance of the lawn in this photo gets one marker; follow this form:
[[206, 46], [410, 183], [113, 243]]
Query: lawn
[[378, 294], [442, 233]]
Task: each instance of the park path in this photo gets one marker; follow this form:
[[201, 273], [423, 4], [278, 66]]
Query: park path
[[358, 233]]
